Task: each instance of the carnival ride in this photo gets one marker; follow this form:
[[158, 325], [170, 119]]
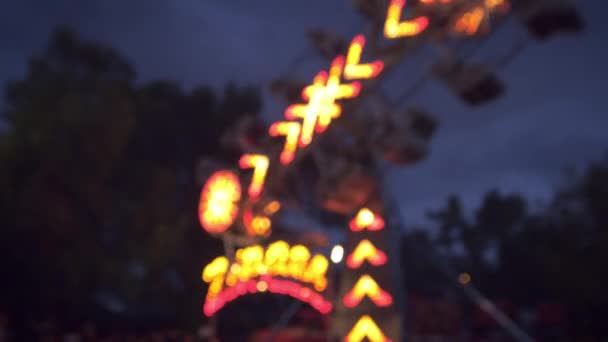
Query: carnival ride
[[328, 155]]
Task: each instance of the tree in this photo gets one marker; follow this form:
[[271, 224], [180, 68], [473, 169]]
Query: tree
[[99, 195], [556, 255]]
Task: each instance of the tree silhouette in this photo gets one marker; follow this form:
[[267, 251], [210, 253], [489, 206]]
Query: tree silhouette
[[99, 191]]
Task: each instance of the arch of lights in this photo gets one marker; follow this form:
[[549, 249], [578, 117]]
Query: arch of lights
[[258, 269]]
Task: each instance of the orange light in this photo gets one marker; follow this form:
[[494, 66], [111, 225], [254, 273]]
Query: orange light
[[366, 328], [492, 4], [365, 250], [261, 225], [366, 219], [394, 28], [291, 131], [464, 278], [272, 207], [470, 22], [218, 205], [259, 163], [353, 69], [256, 225], [262, 286], [433, 2], [367, 286]]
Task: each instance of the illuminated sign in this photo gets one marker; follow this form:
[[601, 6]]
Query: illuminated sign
[[321, 95], [218, 205], [395, 28], [355, 71], [366, 251], [367, 286], [262, 269], [291, 131], [259, 164], [281, 268], [366, 328]]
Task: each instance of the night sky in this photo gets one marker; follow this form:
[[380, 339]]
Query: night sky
[[554, 114]]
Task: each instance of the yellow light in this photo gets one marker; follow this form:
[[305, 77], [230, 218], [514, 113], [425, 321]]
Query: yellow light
[[299, 253], [298, 258], [353, 70], [316, 271], [217, 267], [277, 256], [366, 251], [218, 203], [259, 163], [291, 130], [394, 28], [322, 95], [262, 269], [253, 256], [235, 268], [367, 286], [365, 217], [337, 253], [366, 328], [278, 259], [214, 274]]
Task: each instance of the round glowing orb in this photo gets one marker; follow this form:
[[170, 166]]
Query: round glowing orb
[[218, 206]]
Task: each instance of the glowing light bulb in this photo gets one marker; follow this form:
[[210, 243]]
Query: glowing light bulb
[[366, 219], [337, 253]]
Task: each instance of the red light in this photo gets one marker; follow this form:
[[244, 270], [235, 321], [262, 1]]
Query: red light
[[267, 284]]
